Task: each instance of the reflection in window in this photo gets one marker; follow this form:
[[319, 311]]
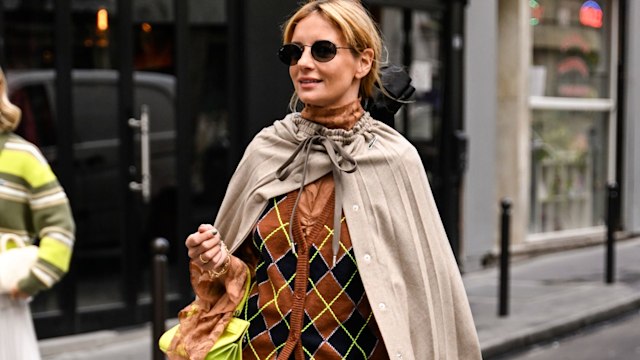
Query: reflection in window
[[36, 124], [571, 48], [568, 170], [420, 120]]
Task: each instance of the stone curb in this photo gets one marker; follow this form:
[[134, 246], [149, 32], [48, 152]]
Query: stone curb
[[537, 334]]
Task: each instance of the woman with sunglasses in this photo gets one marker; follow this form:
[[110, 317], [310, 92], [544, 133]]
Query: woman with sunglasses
[[331, 212]]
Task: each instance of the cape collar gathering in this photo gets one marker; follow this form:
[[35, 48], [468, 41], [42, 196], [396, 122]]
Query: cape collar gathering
[[328, 128]]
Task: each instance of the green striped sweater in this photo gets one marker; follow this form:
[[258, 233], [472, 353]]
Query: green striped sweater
[[34, 206]]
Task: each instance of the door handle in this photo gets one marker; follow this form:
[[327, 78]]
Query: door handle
[[144, 186]]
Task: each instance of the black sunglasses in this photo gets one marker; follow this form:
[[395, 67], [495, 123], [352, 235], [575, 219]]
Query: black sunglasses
[[321, 50]]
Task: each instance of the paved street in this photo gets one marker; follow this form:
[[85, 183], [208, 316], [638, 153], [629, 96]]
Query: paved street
[[101, 345], [616, 339]]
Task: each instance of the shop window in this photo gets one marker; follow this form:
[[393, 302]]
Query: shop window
[[571, 54], [569, 169], [571, 98]]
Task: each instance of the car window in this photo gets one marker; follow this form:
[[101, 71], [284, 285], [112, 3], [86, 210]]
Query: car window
[[94, 110], [161, 107], [95, 106], [37, 125]]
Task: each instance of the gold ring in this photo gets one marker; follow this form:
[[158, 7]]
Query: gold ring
[[200, 257]]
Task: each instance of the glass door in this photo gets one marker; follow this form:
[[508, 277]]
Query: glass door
[[413, 41], [120, 180]]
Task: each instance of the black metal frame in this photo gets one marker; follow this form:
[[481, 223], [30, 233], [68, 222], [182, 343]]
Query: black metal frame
[[184, 139], [129, 216], [64, 105], [621, 103], [452, 151], [236, 85], [410, 4], [3, 60]]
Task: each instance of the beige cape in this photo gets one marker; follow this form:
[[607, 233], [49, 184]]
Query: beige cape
[[405, 261]]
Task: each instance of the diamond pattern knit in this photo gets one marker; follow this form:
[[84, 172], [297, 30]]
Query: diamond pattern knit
[[337, 321]]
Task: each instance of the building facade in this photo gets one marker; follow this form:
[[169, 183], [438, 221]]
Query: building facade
[[552, 121]]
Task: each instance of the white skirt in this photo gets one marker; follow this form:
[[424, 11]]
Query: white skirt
[[17, 336]]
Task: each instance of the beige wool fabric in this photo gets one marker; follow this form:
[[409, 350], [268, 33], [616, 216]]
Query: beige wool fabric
[[405, 260]]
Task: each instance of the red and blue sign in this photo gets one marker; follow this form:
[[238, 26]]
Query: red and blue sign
[[591, 14]]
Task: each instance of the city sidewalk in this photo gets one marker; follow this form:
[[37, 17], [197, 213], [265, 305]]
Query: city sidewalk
[[551, 295]]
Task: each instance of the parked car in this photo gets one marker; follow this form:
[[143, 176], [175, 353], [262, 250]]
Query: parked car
[[96, 142]]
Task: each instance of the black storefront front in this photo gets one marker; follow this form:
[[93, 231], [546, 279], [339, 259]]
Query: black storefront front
[[206, 76]]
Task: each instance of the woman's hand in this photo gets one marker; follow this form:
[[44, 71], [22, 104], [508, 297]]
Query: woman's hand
[[205, 247]]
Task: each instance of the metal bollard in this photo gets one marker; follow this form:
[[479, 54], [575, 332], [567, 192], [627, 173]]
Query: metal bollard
[[505, 220], [159, 247], [612, 201]]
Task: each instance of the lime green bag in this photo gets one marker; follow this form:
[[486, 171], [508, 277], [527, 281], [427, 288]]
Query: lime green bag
[[229, 345]]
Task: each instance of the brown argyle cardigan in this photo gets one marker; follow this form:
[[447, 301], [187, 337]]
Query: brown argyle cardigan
[[300, 306]]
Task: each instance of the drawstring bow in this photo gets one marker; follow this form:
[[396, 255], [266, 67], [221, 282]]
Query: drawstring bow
[[341, 161]]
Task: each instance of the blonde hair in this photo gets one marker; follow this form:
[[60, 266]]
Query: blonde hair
[[357, 27], [9, 113]]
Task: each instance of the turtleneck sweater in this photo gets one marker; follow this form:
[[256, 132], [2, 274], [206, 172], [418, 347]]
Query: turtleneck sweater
[[342, 117]]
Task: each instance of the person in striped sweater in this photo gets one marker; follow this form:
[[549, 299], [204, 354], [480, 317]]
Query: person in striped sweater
[[33, 206]]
